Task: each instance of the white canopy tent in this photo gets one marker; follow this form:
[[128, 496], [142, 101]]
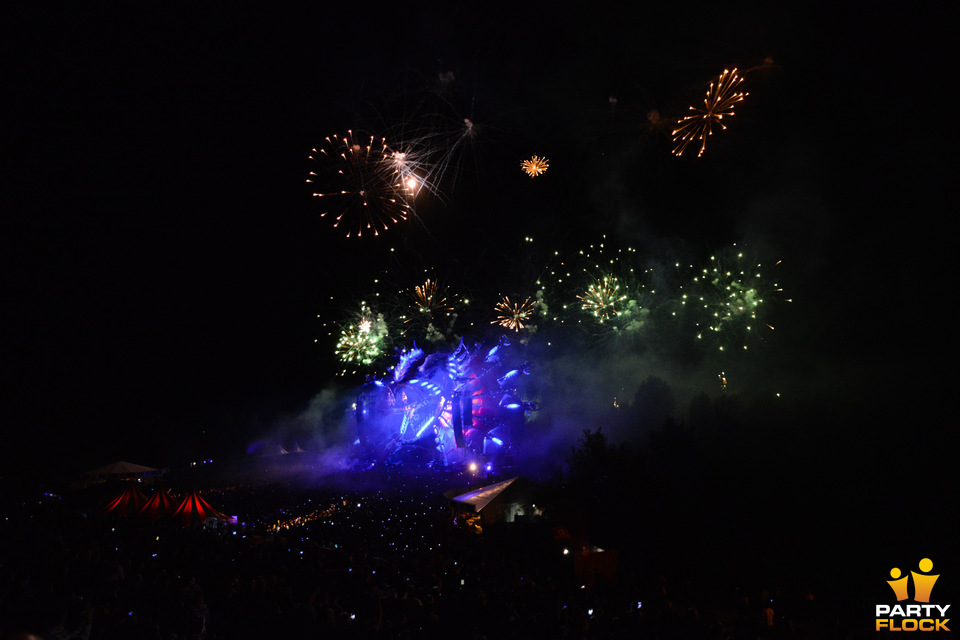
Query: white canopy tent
[[119, 470]]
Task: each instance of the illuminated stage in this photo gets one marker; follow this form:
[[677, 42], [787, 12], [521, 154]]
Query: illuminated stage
[[443, 409]]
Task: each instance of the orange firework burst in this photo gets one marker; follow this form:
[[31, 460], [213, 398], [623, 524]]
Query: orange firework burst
[[720, 100], [429, 299], [365, 186], [535, 166], [513, 315]]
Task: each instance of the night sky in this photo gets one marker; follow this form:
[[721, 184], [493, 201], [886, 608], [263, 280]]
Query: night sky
[[166, 273]]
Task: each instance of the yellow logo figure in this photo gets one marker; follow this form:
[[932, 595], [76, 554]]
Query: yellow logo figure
[[922, 582], [898, 584]]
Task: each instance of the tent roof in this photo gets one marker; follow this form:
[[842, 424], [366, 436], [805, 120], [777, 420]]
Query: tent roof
[[160, 504], [120, 468], [480, 498], [195, 509], [127, 502]]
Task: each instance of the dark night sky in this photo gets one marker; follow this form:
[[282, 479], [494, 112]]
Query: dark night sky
[[163, 266]]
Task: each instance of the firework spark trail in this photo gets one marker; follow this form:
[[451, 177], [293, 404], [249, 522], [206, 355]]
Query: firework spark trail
[[437, 133], [414, 160], [444, 146], [719, 102]]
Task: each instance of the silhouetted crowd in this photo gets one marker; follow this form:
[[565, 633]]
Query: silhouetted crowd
[[385, 562]]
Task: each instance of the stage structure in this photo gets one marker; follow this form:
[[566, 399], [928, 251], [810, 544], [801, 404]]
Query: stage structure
[[444, 409]]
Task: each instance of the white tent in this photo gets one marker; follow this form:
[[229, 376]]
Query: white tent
[[121, 469], [499, 501]]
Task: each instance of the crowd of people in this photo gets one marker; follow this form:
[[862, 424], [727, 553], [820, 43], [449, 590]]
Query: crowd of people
[[384, 560]]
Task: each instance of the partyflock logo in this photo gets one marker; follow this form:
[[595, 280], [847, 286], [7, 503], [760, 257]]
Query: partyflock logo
[[922, 616]]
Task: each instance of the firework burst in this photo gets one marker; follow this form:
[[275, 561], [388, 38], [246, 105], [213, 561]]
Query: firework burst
[[428, 312], [535, 166], [603, 298], [731, 295], [363, 341], [358, 346], [720, 100], [606, 282], [514, 316], [364, 185], [428, 299]]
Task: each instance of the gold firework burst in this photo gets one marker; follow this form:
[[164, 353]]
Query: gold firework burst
[[429, 299], [364, 186], [535, 166], [719, 102], [513, 315]]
